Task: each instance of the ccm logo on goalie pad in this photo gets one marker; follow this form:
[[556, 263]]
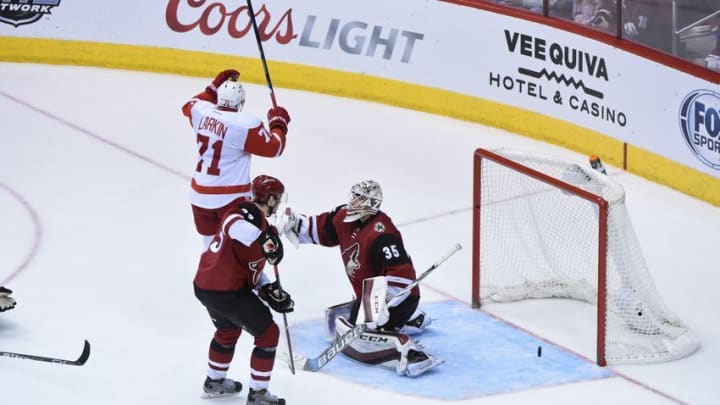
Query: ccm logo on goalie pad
[[374, 338]]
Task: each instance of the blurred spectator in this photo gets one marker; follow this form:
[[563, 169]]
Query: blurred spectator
[[712, 60], [597, 14], [649, 22], [699, 35]]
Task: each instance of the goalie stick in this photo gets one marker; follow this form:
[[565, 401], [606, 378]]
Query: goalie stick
[[79, 362], [405, 291], [316, 363]]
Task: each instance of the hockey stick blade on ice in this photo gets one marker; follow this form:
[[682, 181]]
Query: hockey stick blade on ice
[[315, 364], [79, 362]]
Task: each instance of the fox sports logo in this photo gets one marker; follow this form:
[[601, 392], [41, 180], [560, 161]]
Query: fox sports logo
[[700, 125]]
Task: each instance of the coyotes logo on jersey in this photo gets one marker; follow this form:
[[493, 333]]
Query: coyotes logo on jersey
[[256, 270], [350, 257]]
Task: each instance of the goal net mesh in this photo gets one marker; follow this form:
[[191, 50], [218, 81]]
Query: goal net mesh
[[541, 240]]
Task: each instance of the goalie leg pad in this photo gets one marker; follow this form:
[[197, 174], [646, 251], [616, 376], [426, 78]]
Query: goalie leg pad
[[374, 301], [388, 349], [372, 347], [332, 313]]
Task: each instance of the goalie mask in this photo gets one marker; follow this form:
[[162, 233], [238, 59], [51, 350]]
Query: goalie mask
[[231, 95], [263, 187], [365, 199]]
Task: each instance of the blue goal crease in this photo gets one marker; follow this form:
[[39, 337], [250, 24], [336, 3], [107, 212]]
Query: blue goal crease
[[504, 358]]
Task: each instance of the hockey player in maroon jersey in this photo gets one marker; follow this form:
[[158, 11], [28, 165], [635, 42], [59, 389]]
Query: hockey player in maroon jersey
[[372, 249], [227, 137], [231, 284]]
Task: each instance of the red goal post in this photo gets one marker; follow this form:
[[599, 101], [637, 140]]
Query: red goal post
[[546, 228]]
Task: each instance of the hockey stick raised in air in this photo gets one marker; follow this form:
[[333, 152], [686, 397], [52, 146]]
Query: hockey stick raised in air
[[316, 363], [287, 330], [79, 362], [262, 53]]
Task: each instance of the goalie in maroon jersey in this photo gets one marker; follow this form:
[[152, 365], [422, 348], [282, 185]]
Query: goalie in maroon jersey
[[231, 284], [226, 138], [374, 255]]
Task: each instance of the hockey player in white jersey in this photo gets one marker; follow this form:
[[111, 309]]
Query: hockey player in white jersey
[[226, 138]]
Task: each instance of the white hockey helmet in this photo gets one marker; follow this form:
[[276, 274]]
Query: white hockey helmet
[[231, 95], [365, 200]]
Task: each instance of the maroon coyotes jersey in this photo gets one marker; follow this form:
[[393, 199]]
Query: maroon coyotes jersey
[[371, 248], [234, 259]]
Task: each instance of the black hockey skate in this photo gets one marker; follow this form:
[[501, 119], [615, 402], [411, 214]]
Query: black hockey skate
[[263, 397], [223, 387]]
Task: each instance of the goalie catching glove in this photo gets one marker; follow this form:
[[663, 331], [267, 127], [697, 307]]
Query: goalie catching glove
[[278, 299], [6, 301], [294, 227]]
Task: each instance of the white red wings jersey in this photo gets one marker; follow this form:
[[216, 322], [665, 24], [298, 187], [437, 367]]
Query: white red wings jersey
[[226, 141], [371, 248], [234, 259]]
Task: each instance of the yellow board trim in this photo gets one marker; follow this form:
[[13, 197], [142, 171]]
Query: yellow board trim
[[364, 87]]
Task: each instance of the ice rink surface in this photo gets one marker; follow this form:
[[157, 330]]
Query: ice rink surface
[[97, 242]]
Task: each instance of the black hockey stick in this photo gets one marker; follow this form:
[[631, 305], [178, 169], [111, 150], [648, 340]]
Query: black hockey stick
[[262, 53], [287, 330], [79, 362], [316, 363]]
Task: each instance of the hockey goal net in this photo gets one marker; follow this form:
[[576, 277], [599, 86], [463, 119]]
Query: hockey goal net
[[544, 228]]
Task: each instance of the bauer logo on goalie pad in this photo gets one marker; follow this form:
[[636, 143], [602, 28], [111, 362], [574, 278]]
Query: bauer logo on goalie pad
[[339, 345]]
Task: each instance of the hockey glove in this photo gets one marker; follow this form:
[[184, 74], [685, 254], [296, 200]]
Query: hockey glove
[[630, 28], [6, 301], [228, 74], [278, 118], [278, 299], [290, 224], [271, 245]]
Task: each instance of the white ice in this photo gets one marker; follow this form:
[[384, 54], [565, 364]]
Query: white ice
[[98, 243]]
